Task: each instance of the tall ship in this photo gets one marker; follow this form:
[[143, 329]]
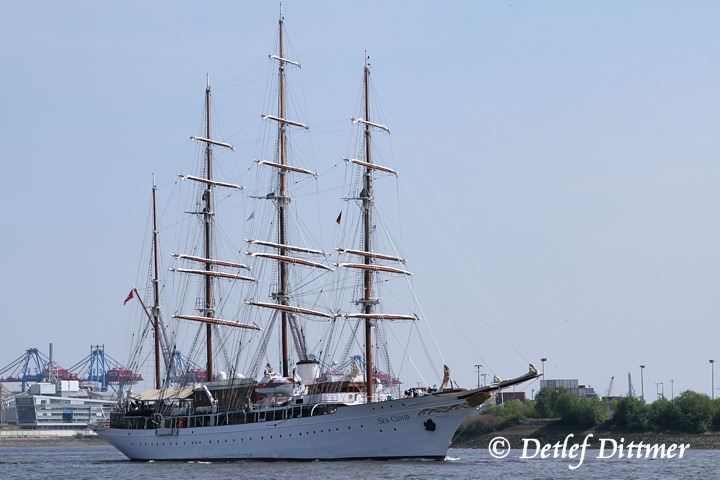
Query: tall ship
[[334, 395]]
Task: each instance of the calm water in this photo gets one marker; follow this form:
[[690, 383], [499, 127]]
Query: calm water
[[105, 462]]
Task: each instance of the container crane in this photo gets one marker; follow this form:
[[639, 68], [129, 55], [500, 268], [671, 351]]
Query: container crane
[[102, 368], [33, 366]]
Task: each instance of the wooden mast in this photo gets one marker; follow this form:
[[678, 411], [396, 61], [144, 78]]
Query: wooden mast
[[280, 295], [282, 267], [367, 247], [156, 291], [208, 211], [206, 304]]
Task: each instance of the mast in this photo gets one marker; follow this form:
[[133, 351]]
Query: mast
[[206, 304], [156, 291], [367, 221], [282, 266], [368, 263], [207, 196], [280, 196]]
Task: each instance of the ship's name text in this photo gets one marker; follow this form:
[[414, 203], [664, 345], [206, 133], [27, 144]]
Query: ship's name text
[[393, 418]]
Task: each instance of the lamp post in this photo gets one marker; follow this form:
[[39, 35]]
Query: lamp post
[[642, 382], [543, 360], [477, 367], [712, 375], [672, 389]]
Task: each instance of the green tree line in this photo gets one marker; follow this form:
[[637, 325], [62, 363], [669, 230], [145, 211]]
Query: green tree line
[[690, 412]]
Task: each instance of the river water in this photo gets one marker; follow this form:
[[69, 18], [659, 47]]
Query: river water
[[104, 462]]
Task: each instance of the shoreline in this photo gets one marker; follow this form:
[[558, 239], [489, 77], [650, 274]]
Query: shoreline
[[54, 441]]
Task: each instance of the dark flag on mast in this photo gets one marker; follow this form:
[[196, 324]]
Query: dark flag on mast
[[130, 296], [339, 217]]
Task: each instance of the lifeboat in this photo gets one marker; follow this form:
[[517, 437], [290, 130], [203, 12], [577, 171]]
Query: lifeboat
[[275, 384]]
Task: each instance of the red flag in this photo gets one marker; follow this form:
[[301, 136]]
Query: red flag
[[339, 217], [130, 296]]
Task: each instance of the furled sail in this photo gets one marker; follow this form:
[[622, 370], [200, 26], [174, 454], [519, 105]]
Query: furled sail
[[211, 261]]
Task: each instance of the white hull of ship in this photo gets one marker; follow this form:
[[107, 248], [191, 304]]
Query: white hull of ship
[[382, 430]]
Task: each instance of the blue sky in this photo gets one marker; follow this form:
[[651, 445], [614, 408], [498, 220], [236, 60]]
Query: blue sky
[[559, 165]]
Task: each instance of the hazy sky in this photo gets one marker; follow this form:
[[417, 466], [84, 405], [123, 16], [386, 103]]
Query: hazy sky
[[559, 165]]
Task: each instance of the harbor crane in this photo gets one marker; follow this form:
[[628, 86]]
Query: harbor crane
[[609, 389], [32, 367]]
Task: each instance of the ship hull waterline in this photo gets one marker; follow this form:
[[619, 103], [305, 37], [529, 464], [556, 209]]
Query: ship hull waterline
[[415, 427]]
